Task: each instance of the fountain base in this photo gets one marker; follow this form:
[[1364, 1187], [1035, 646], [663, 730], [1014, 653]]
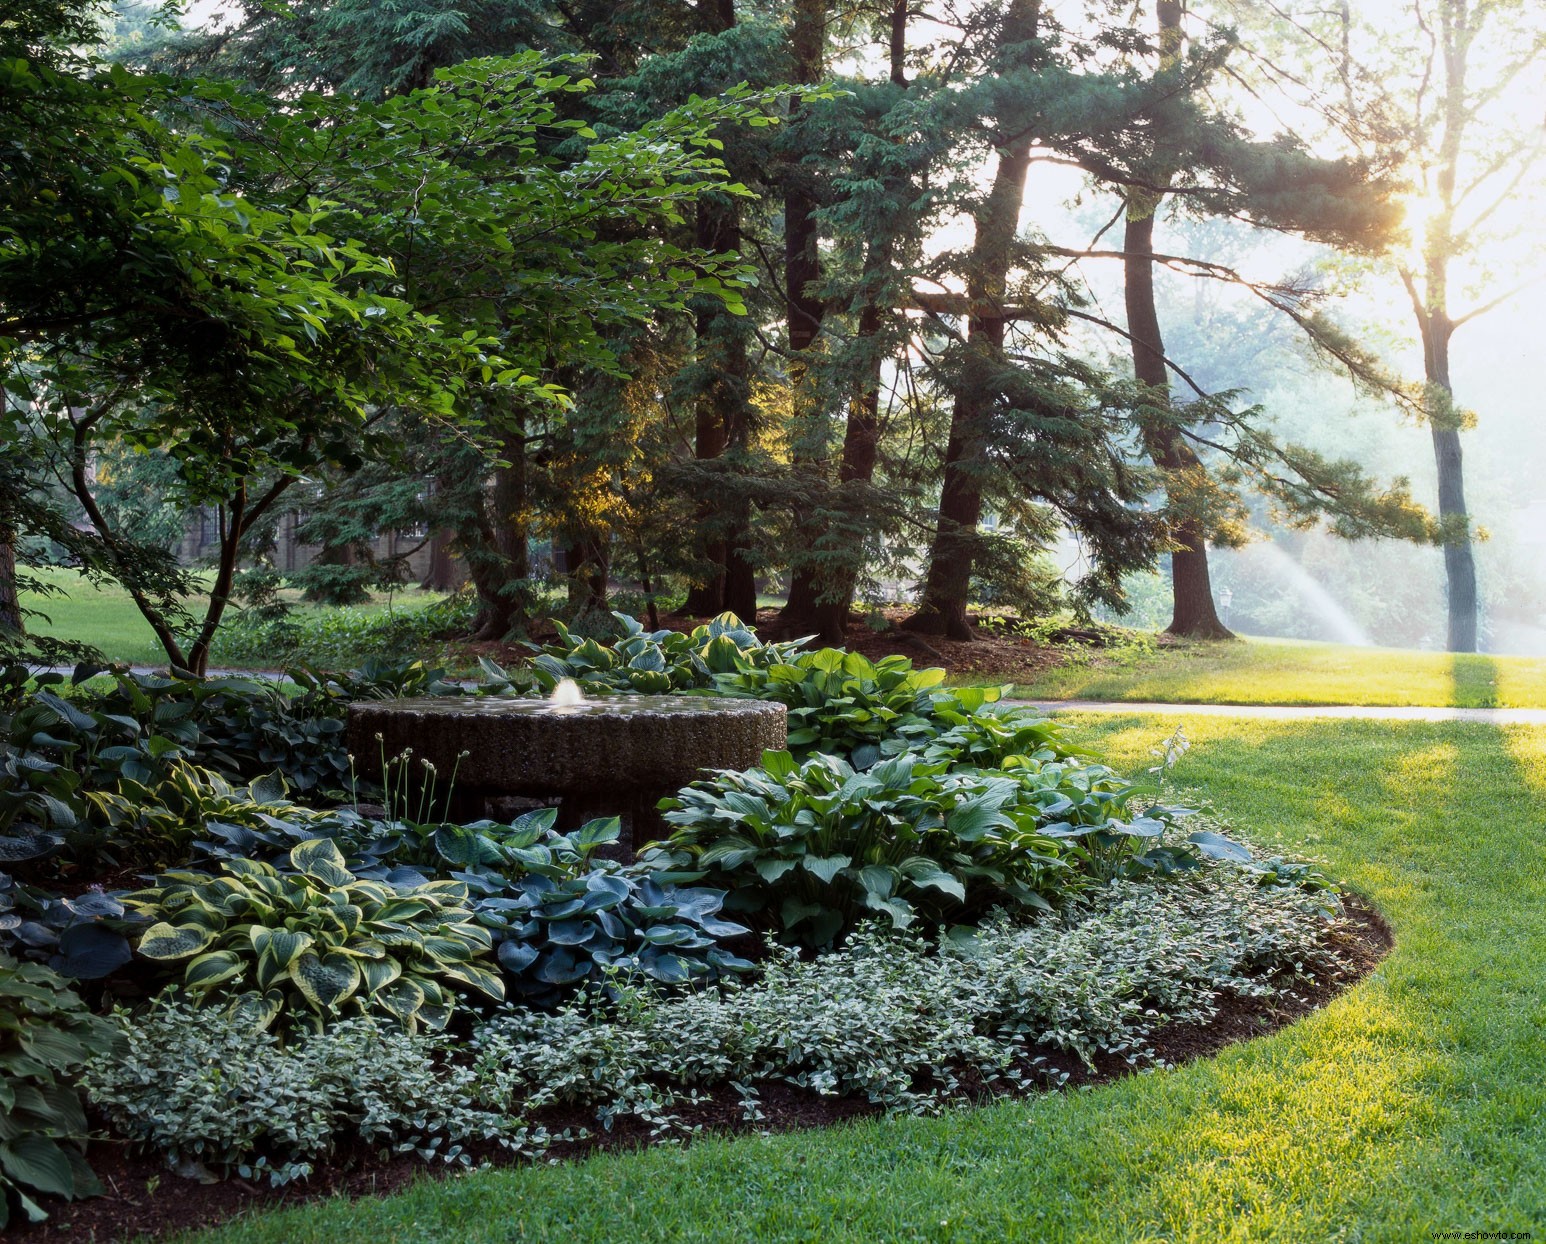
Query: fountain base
[[612, 756]]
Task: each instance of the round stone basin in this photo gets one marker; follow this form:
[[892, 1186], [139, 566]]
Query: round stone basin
[[607, 756]]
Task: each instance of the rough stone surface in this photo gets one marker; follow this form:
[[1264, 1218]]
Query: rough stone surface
[[528, 747]]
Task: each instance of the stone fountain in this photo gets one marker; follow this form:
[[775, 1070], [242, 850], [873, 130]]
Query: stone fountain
[[607, 756]]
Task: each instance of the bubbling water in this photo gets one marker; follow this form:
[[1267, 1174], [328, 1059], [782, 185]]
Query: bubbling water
[[566, 694]]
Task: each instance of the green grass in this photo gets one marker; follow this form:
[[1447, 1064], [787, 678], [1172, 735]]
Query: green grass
[[1266, 671], [107, 619], [1414, 1103]]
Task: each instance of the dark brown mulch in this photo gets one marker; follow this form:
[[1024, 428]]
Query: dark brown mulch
[[143, 1197]]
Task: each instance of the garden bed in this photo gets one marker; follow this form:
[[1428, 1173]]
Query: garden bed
[[145, 1199], [928, 899]]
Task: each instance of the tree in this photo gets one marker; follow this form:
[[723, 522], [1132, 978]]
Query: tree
[[1465, 175], [305, 350], [1438, 93]]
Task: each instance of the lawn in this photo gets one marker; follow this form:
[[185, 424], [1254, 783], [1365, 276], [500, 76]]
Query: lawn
[[1413, 1104], [107, 619], [1271, 671]]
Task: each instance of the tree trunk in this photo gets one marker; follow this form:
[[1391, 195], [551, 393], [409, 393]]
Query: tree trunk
[[803, 314], [494, 535], [826, 613], [1193, 614], [440, 574], [942, 611], [11, 621], [1456, 31], [720, 415], [1459, 560], [1192, 610], [589, 563]]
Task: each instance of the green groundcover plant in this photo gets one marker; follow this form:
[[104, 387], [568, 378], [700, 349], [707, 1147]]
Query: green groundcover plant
[[898, 1019]]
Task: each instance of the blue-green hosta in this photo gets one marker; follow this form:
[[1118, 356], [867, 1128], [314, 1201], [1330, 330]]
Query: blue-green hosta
[[559, 917], [555, 935], [317, 942]]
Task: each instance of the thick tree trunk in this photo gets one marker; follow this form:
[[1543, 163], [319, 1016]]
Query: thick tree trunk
[[1193, 614], [720, 415], [720, 419], [942, 611], [804, 311], [1192, 610], [1457, 27], [495, 539], [825, 613], [1459, 561], [590, 563]]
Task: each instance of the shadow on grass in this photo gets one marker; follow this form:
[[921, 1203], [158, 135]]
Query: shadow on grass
[[1475, 681]]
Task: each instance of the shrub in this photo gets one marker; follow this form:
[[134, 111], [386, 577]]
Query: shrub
[[343, 636], [843, 704], [309, 944], [79, 937], [815, 847], [204, 1089], [554, 936], [46, 1037]]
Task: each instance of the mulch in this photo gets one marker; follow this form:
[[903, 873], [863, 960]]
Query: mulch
[[143, 1197]]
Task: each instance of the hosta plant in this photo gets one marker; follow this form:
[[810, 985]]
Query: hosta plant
[[996, 737], [81, 936], [317, 942], [652, 661], [814, 847], [46, 1037], [844, 704], [555, 934]]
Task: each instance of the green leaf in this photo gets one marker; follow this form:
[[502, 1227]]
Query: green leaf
[[770, 870], [466, 847], [209, 970], [825, 867], [39, 1163], [282, 946]]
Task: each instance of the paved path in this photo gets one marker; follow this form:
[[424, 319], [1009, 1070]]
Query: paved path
[[1299, 712]]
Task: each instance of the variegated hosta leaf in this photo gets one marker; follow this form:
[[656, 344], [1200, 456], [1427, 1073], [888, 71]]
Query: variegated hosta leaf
[[379, 973], [321, 860], [402, 999], [480, 978], [325, 981], [168, 941], [260, 1010], [208, 970], [446, 949], [283, 946]]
